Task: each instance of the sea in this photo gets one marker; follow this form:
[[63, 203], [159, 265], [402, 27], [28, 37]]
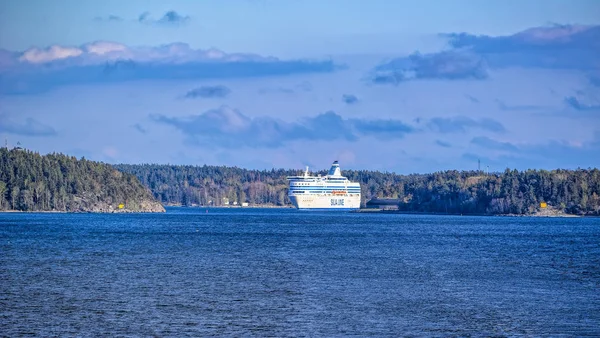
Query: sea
[[287, 273]]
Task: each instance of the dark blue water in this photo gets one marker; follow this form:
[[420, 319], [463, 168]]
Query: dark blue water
[[257, 272]]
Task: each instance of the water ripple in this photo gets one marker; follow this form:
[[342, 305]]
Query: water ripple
[[240, 272]]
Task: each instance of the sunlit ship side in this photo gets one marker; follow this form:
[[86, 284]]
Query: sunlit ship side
[[332, 191]]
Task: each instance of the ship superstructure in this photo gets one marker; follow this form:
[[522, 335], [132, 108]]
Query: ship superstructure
[[332, 191]]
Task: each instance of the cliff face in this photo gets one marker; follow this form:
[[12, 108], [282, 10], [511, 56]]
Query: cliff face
[[56, 182]]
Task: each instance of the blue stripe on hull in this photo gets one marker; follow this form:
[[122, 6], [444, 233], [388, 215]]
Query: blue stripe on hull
[[319, 188], [327, 209]]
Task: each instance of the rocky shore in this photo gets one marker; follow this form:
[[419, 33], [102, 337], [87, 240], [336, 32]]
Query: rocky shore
[[548, 212], [141, 207]]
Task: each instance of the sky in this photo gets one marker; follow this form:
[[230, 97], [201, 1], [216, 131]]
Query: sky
[[397, 86]]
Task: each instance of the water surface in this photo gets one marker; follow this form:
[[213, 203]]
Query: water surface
[[282, 272]]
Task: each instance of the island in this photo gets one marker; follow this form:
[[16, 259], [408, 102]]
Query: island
[[59, 183]]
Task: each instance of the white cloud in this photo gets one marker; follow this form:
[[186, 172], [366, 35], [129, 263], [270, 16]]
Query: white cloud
[[37, 70], [104, 47], [52, 53], [107, 50]]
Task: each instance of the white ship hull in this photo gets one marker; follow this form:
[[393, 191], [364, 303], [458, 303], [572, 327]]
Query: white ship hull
[[326, 202], [331, 192]]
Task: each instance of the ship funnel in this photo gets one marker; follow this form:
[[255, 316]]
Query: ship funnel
[[335, 169]]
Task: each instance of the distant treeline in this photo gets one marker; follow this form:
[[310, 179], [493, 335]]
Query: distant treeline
[[211, 185], [56, 182], [466, 192], [510, 192]]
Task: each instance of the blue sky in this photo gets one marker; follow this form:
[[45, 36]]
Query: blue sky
[[387, 85]]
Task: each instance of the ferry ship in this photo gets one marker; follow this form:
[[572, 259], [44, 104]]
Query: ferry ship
[[332, 191]]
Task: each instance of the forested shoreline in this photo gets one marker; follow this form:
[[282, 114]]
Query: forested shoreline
[[57, 182], [460, 192]]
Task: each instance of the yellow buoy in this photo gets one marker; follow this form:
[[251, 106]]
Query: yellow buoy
[[543, 205], [121, 206]]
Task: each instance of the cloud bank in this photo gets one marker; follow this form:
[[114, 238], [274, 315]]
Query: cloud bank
[[557, 46], [30, 127], [555, 153], [38, 69], [228, 128], [471, 56], [575, 103], [461, 124], [169, 18], [444, 65]]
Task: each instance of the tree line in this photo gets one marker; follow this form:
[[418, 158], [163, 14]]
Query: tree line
[[466, 192], [57, 182], [32, 182]]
